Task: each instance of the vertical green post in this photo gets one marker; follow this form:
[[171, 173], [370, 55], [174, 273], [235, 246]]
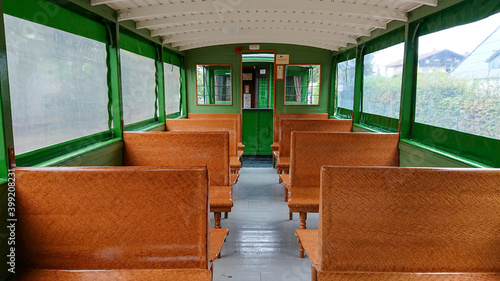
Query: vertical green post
[[6, 133], [333, 94], [183, 90], [115, 78], [160, 84], [358, 85], [409, 83]]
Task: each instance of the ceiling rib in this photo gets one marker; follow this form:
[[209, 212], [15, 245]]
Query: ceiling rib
[[358, 31], [261, 39], [308, 35], [286, 17], [432, 3], [101, 2], [292, 6]]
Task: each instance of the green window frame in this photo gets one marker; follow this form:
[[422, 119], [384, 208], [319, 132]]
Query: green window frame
[[376, 121], [142, 47], [337, 111], [57, 17], [468, 146]]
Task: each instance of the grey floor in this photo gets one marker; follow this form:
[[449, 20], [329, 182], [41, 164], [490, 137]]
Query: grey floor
[[261, 245]]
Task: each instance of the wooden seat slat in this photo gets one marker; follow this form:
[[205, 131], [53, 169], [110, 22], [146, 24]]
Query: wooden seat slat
[[125, 275]]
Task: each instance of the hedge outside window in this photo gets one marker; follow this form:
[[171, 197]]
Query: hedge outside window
[[382, 79], [138, 87], [458, 81], [58, 85], [172, 78]]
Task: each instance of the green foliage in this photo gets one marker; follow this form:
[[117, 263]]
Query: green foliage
[[471, 106], [381, 95]]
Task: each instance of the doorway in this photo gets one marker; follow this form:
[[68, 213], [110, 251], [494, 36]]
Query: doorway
[[257, 96]]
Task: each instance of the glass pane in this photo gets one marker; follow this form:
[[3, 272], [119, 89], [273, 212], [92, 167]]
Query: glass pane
[[58, 86], [345, 83], [172, 88], [213, 84], [459, 78], [383, 72], [302, 83], [138, 87]]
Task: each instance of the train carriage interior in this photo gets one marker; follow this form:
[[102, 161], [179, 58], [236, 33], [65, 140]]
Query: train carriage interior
[[297, 140]]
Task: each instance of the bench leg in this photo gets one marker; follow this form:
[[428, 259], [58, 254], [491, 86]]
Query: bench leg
[[226, 215], [217, 219], [303, 218], [301, 250], [285, 195], [290, 215], [314, 273], [274, 165]]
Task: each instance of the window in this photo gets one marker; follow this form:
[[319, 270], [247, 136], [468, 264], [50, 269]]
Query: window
[[382, 81], [58, 85], [459, 89], [302, 84], [345, 83], [172, 77], [138, 87], [213, 84]]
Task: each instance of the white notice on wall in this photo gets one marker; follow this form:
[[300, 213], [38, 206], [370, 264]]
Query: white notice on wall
[[247, 101], [282, 59]]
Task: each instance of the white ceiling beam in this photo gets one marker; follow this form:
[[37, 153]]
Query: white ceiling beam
[[285, 17], [292, 6], [102, 2], [258, 37], [432, 3], [353, 30], [305, 35], [277, 40]]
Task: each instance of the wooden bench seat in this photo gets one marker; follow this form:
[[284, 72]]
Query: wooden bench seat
[[114, 223], [391, 223], [311, 150], [236, 116], [211, 125], [188, 149], [304, 125], [277, 125]]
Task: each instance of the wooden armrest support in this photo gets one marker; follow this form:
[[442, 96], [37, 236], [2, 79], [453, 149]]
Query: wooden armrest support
[[217, 239], [308, 240]]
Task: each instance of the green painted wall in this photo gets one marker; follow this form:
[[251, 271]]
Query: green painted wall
[[225, 54]]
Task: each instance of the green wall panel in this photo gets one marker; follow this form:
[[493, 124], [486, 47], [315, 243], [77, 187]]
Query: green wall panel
[[225, 54]]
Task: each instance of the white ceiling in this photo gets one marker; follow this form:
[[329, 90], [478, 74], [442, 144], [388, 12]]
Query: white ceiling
[[326, 24]]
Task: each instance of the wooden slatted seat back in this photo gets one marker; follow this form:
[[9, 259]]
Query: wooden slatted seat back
[[279, 116], [318, 125], [207, 125], [235, 116], [385, 219], [311, 150], [209, 149], [103, 218]]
